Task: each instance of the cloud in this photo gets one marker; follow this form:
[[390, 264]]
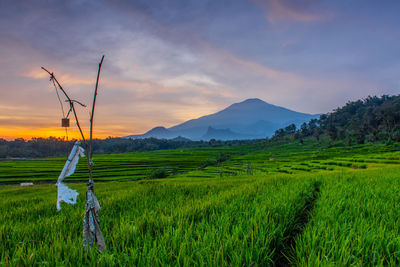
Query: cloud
[[312, 93], [70, 79], [169, 62], [190, 79], [297, 11]]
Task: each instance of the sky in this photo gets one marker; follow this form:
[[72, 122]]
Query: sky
[[168, 61]]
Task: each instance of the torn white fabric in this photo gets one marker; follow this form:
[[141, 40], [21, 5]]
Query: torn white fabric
[[72, 161], [64, 193], [91, 224]]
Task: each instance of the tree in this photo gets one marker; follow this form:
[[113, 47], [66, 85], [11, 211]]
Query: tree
[[290, 129]]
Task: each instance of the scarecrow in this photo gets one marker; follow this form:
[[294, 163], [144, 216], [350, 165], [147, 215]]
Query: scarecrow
[[91, 227]]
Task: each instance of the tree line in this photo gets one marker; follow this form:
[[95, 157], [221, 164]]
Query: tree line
[[52, 146], [373, 119]]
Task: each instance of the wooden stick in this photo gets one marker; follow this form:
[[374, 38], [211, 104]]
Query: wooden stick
[[92, 113]]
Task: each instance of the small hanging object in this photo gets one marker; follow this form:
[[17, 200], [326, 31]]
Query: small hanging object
[[65, 122]]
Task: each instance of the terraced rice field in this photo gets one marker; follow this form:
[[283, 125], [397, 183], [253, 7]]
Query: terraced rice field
[[129, 166], [274, 205]]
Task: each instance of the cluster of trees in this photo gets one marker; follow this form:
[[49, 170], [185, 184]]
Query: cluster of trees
[[48, 147], [122, 145], [373, 119], [36, 147]]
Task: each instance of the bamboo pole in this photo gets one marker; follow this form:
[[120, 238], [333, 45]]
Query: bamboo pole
[[92, 113]]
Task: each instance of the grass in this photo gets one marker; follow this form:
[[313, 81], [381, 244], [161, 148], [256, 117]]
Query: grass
[[268, 205], [355, 222], [227, 222]]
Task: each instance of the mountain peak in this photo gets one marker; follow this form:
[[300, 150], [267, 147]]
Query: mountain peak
[[249, 105], [158, 129], [252, 100]]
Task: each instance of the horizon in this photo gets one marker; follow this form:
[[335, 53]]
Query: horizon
[[77, 137], [166, 63]]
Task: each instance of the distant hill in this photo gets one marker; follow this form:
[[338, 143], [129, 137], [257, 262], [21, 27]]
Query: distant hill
[[181, 139], [157, 132], [250, 119]]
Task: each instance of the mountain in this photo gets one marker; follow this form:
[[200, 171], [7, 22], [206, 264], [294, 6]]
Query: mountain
[[250, 119]]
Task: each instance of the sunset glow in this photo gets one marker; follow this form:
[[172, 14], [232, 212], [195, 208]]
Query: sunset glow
[[168, 63]]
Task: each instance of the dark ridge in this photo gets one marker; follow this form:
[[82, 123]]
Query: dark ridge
[[285, 255]]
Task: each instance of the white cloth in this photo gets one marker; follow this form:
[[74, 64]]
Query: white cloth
[[64, 193]]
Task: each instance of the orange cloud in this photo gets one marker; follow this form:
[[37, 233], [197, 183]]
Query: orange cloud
[[278, 10], [38, 74]]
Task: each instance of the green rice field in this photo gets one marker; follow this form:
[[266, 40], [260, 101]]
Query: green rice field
[[257, 205]]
